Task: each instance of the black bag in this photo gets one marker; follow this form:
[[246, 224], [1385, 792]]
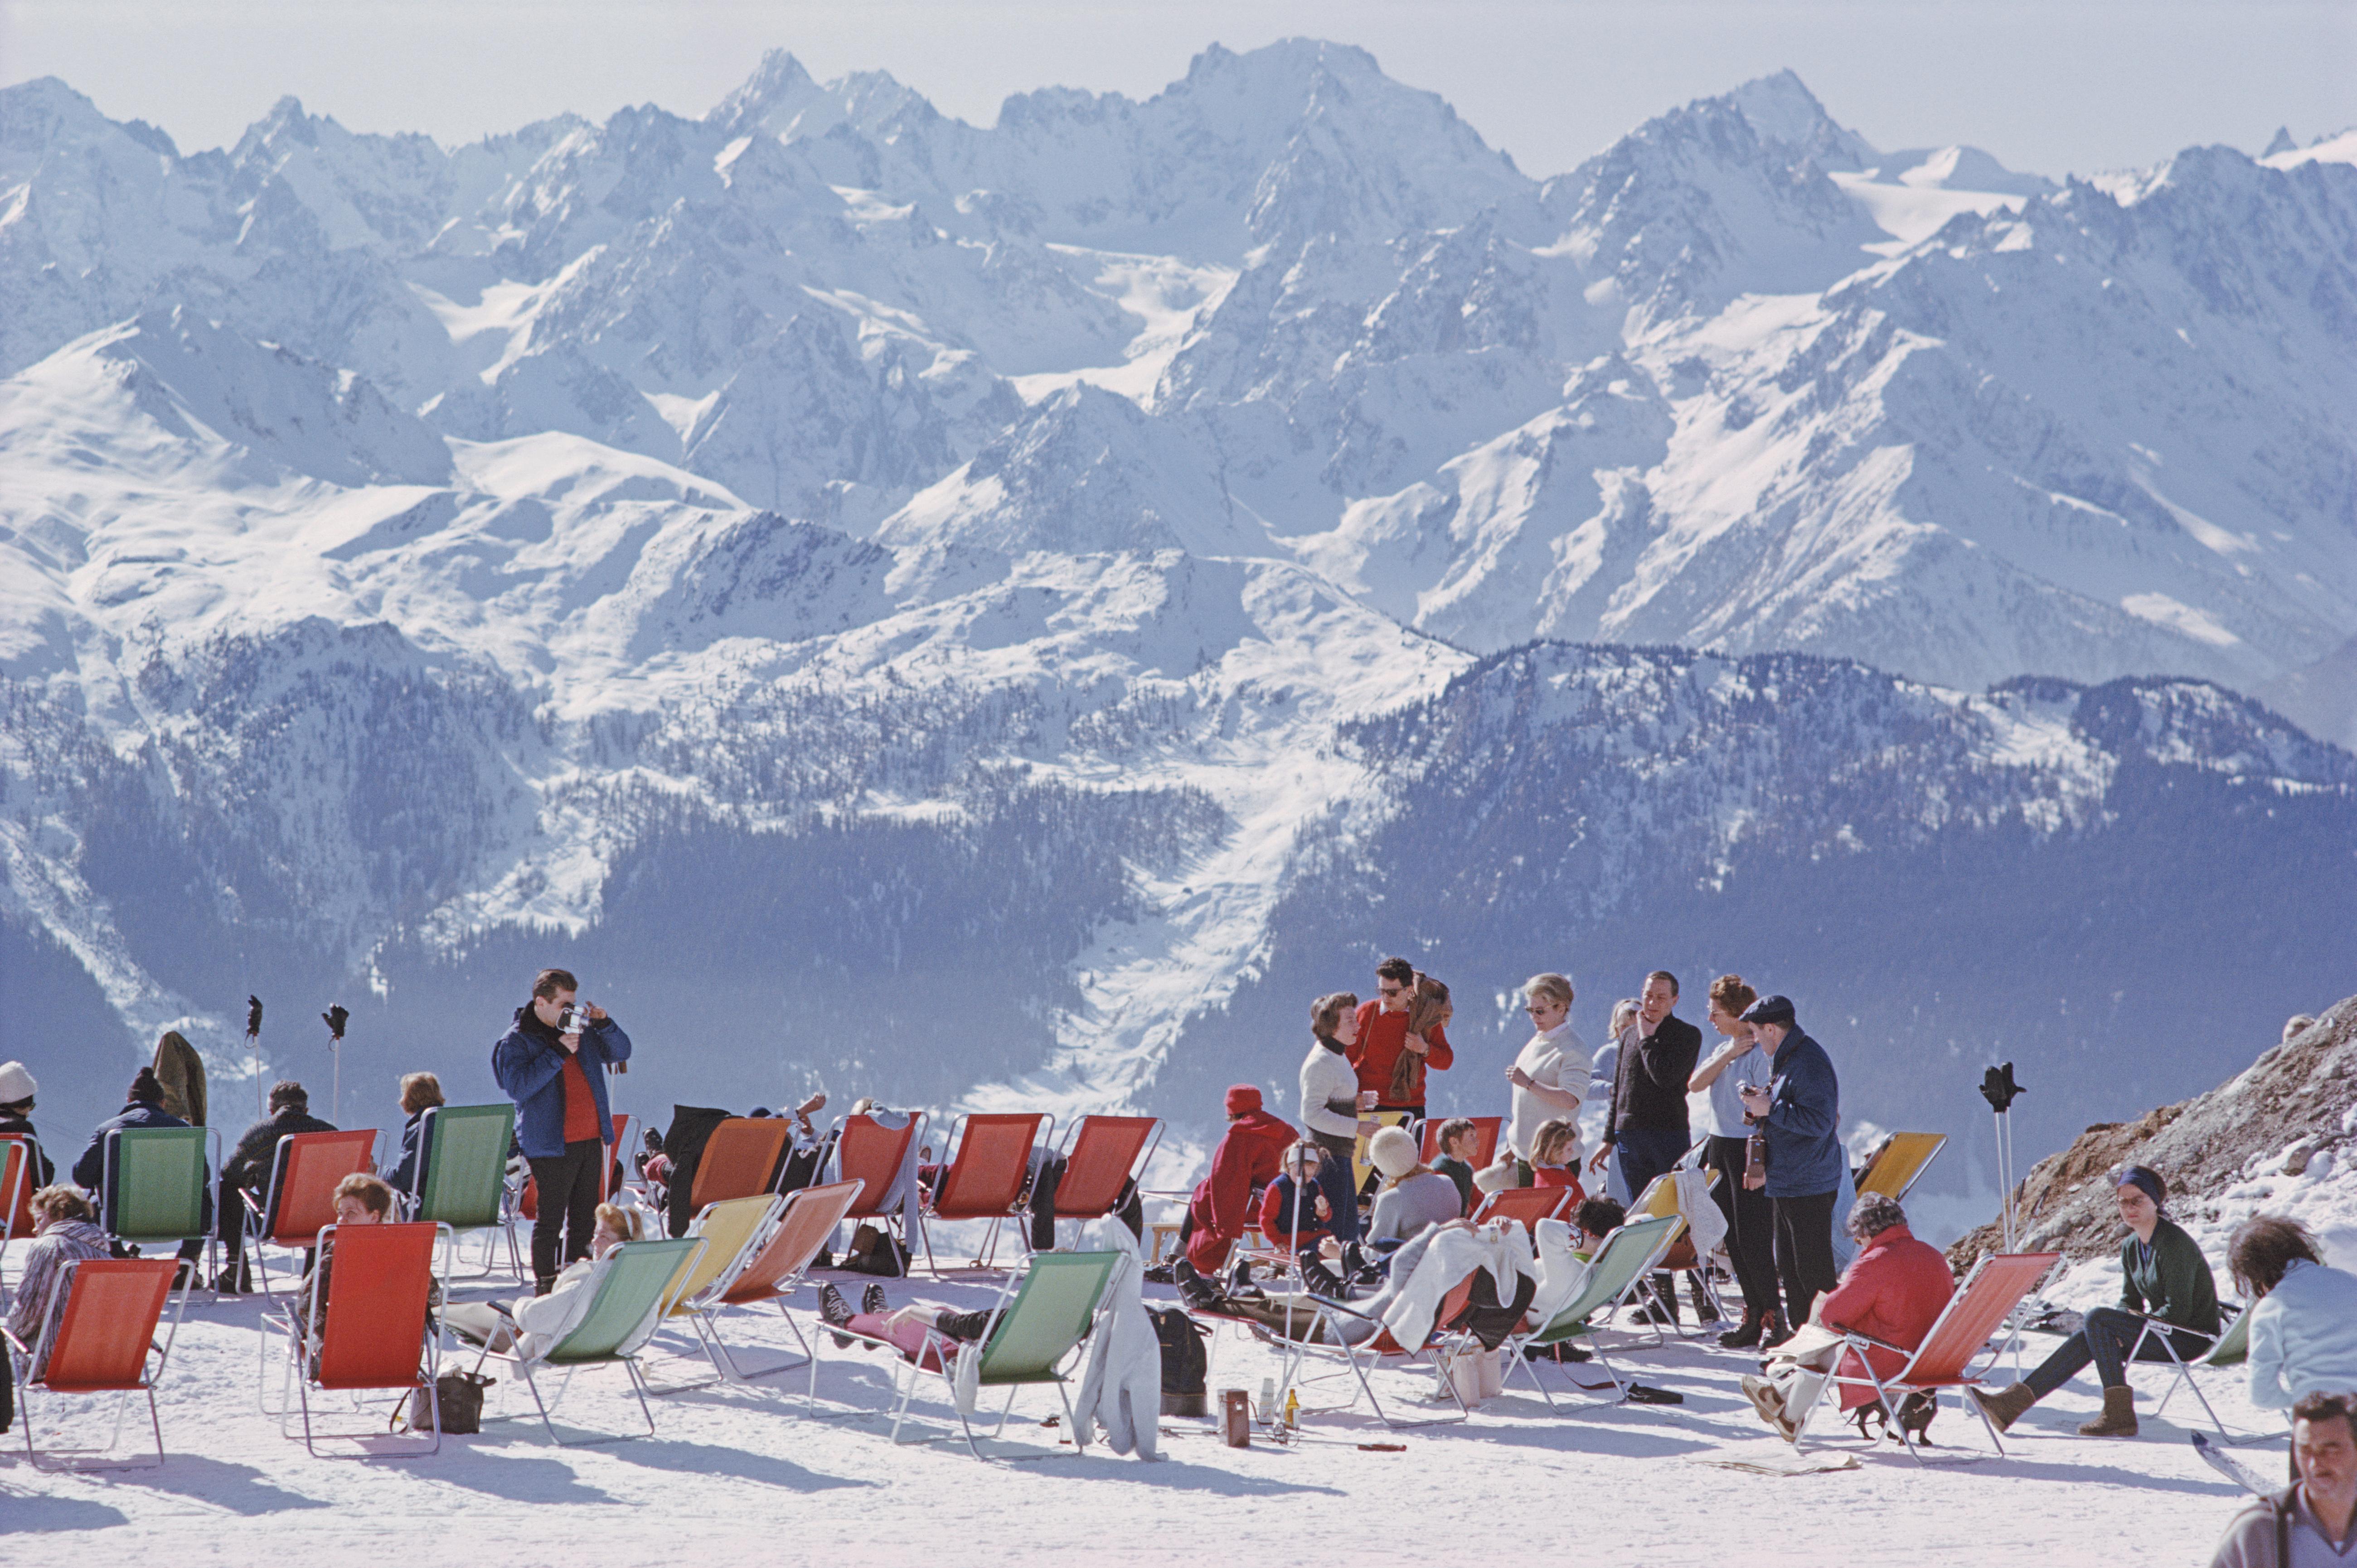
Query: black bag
[[460, 1395], [876, 1252], [1185, 1364]]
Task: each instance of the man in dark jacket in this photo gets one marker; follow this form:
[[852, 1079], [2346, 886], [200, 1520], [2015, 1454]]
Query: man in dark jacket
[[248, 1169], [1800, 1113], [556, 1076], [1646, 1129], [143, 1107]]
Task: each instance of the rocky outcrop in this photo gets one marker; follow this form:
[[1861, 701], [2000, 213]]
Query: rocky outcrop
[[2296, 1101]]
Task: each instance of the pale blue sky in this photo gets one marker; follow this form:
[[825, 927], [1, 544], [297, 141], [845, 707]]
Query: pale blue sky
[[2055, 86]]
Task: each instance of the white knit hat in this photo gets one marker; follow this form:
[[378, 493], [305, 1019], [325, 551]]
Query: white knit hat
[[15, 1083], [1392, 1151]]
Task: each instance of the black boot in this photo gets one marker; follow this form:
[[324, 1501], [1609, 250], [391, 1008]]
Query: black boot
[[1198, 1293], [833, 1309], [871, 1298], [1746, 1337]]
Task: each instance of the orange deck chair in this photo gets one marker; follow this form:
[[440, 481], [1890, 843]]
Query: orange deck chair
[[986, 1179], [1103, 1156], [1485, 1138], [16, 1183], [96, 1336], [740, 1160], [871, 1153], [1527, 1205], [1963, 1329], [371, 1332], [301, 1197], [776, 1270]]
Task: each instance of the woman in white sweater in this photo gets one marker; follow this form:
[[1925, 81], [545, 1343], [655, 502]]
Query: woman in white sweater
[[2303, 1314], [1330, 1103]]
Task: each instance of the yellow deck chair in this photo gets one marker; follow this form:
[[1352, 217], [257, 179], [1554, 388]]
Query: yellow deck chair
[[1361, 1166], [1903, 1161], [1659, 1201], [733, 1230]]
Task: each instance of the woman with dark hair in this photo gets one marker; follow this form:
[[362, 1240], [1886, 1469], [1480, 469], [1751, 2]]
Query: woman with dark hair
[[1750, 1217], [2164, 1278], [1330, 1103], [2303, 1313]]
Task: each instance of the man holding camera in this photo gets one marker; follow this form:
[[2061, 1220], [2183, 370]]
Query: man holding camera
[[553, 1064]]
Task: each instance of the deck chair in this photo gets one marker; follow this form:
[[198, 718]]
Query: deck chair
[[370, 1331], [1105, 1159], [630, 1297], [19, 1157], [867, 1151], [616, 1151], [1329, 1342], [301, 1198], [1525, 1205], [1485, 1138], [1362, 1167], [2216, 1352], [462, 1166], [1962, 1331], [1903, 1162], [740, 1160], [1618, 1265], [95, 1337], [733, 1230], [154, 1188], [1660, 1200], [774, 1272], [986, 1178], [1043, 1314]]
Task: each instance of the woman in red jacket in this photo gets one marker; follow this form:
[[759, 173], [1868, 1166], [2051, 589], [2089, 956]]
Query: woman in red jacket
[[1893, 1291], [1246, 1160]]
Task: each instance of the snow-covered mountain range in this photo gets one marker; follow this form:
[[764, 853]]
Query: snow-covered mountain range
[[1007, 613]]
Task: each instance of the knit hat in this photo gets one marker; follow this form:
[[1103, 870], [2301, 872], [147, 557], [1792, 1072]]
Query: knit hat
[[2144, 1179], [1770, 1010], [146, 1088], [1242, 1098], [1392, 1151], [15, 1083]]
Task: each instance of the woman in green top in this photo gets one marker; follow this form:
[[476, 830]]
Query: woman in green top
[[2164, 1279]]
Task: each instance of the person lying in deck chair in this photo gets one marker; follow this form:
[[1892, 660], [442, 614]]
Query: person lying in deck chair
[[1894, 1291], [540, 1321], [905, 1329]]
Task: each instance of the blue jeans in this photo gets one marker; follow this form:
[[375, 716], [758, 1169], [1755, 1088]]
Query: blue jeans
[[2105, 1339], [1334, 1181]]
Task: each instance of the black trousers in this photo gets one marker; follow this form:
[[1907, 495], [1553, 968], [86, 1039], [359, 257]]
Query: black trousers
[[1750, 1227], [568, 1206], [1804, 1251]]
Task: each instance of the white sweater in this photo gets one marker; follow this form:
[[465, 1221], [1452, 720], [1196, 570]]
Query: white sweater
[[2304, 1336], [1328, 1076]]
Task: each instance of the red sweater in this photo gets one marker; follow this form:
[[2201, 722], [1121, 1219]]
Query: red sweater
[[1894, 1290], [580, 1105], [1381, 1037], [1248, 1159], [1559, 1175]]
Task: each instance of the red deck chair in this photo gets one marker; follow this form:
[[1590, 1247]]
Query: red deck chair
[[301, 1197], [1529, 1205], [740, 1160], [371, 1332], [17, 1166], [1963, 1329], [617, 1151], [871, 1153], [1485, 1138], [803, 1226], [1442, 1344], [986, 1179], [1103, 1157], [98, 1331]]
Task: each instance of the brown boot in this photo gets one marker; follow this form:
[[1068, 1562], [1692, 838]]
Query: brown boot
[[2005, 1406], [2118, 1419]]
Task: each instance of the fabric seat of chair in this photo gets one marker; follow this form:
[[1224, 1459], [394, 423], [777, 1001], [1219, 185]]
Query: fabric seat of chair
[[739, 1160]]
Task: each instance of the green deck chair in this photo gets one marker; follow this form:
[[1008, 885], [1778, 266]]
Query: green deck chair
[[462, 1166], [154, 1193], [635, 1287], [1624, 1255], [1053, 1307]]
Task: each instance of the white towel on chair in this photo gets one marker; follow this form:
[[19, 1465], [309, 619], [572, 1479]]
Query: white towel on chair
[[1122, 1390], [1704, 1221]]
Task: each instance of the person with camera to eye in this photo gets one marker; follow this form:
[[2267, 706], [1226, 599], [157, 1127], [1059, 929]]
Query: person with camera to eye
[[553, 1064]]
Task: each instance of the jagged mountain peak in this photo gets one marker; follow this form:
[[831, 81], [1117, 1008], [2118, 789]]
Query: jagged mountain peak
[[1782, 109]]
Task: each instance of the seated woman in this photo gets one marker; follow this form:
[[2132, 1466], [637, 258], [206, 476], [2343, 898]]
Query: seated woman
[[1412, 1195], [1893, 1291], [65, 1230], [1246, 1160], [361, 1199], [1565, 1252], [2303, 1313], [2163, 1277], [1554, 1157], [420, 1093], [533, 1322], [1296, 1209]]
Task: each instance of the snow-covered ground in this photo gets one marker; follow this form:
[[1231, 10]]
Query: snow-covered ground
[[734, 1474]]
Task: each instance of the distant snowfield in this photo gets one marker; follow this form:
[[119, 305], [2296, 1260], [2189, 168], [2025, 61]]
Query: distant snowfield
[[734, 1474]]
